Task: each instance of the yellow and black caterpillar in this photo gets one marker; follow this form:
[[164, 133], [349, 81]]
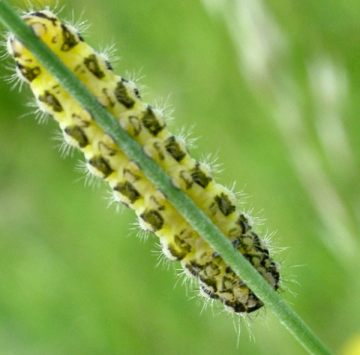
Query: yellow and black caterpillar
[[129, 185]]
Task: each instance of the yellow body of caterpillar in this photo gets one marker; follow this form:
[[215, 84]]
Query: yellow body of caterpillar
[[146, 125]]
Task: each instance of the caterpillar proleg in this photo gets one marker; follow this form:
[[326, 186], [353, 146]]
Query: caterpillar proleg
[[129, 185]]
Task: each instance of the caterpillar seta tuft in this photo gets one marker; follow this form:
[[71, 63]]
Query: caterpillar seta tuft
[[128, 184]]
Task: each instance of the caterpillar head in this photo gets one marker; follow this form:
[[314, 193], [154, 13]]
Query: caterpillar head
[[61, 38]]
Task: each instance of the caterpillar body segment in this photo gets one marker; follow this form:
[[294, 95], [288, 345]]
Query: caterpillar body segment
[[129, 185]]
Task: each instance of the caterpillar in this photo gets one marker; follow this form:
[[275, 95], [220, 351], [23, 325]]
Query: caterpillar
[[147, 125]]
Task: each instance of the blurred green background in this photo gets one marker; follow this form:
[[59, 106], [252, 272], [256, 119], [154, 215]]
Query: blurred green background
[[273, 88]]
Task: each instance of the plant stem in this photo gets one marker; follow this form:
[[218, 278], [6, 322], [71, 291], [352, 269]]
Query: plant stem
[[198, 220]]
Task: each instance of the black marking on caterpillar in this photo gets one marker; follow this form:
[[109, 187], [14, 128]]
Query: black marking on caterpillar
[[199, 177], [122, 95], [154, 219], [91, 62], [128, 190], [102, 165], [174, 149], [43, 15], [128, 183], [51, 100], [224, 204], [151, 122], [78, 134], [69, 39], [29, 73]]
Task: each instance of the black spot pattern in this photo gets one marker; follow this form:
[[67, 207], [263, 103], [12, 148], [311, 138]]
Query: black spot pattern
[[128, 190], [51, 100], [78, 134], [244, 224], [238, 307], [224, 204], [173, 148], [199, 177], [137, 93], [29, 73], [108, 65], [42, 15], [122, 95], [91, 62], [182, 244], [100, 164], [151, 122], [176, 253], [69, 39], [153, 218]]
